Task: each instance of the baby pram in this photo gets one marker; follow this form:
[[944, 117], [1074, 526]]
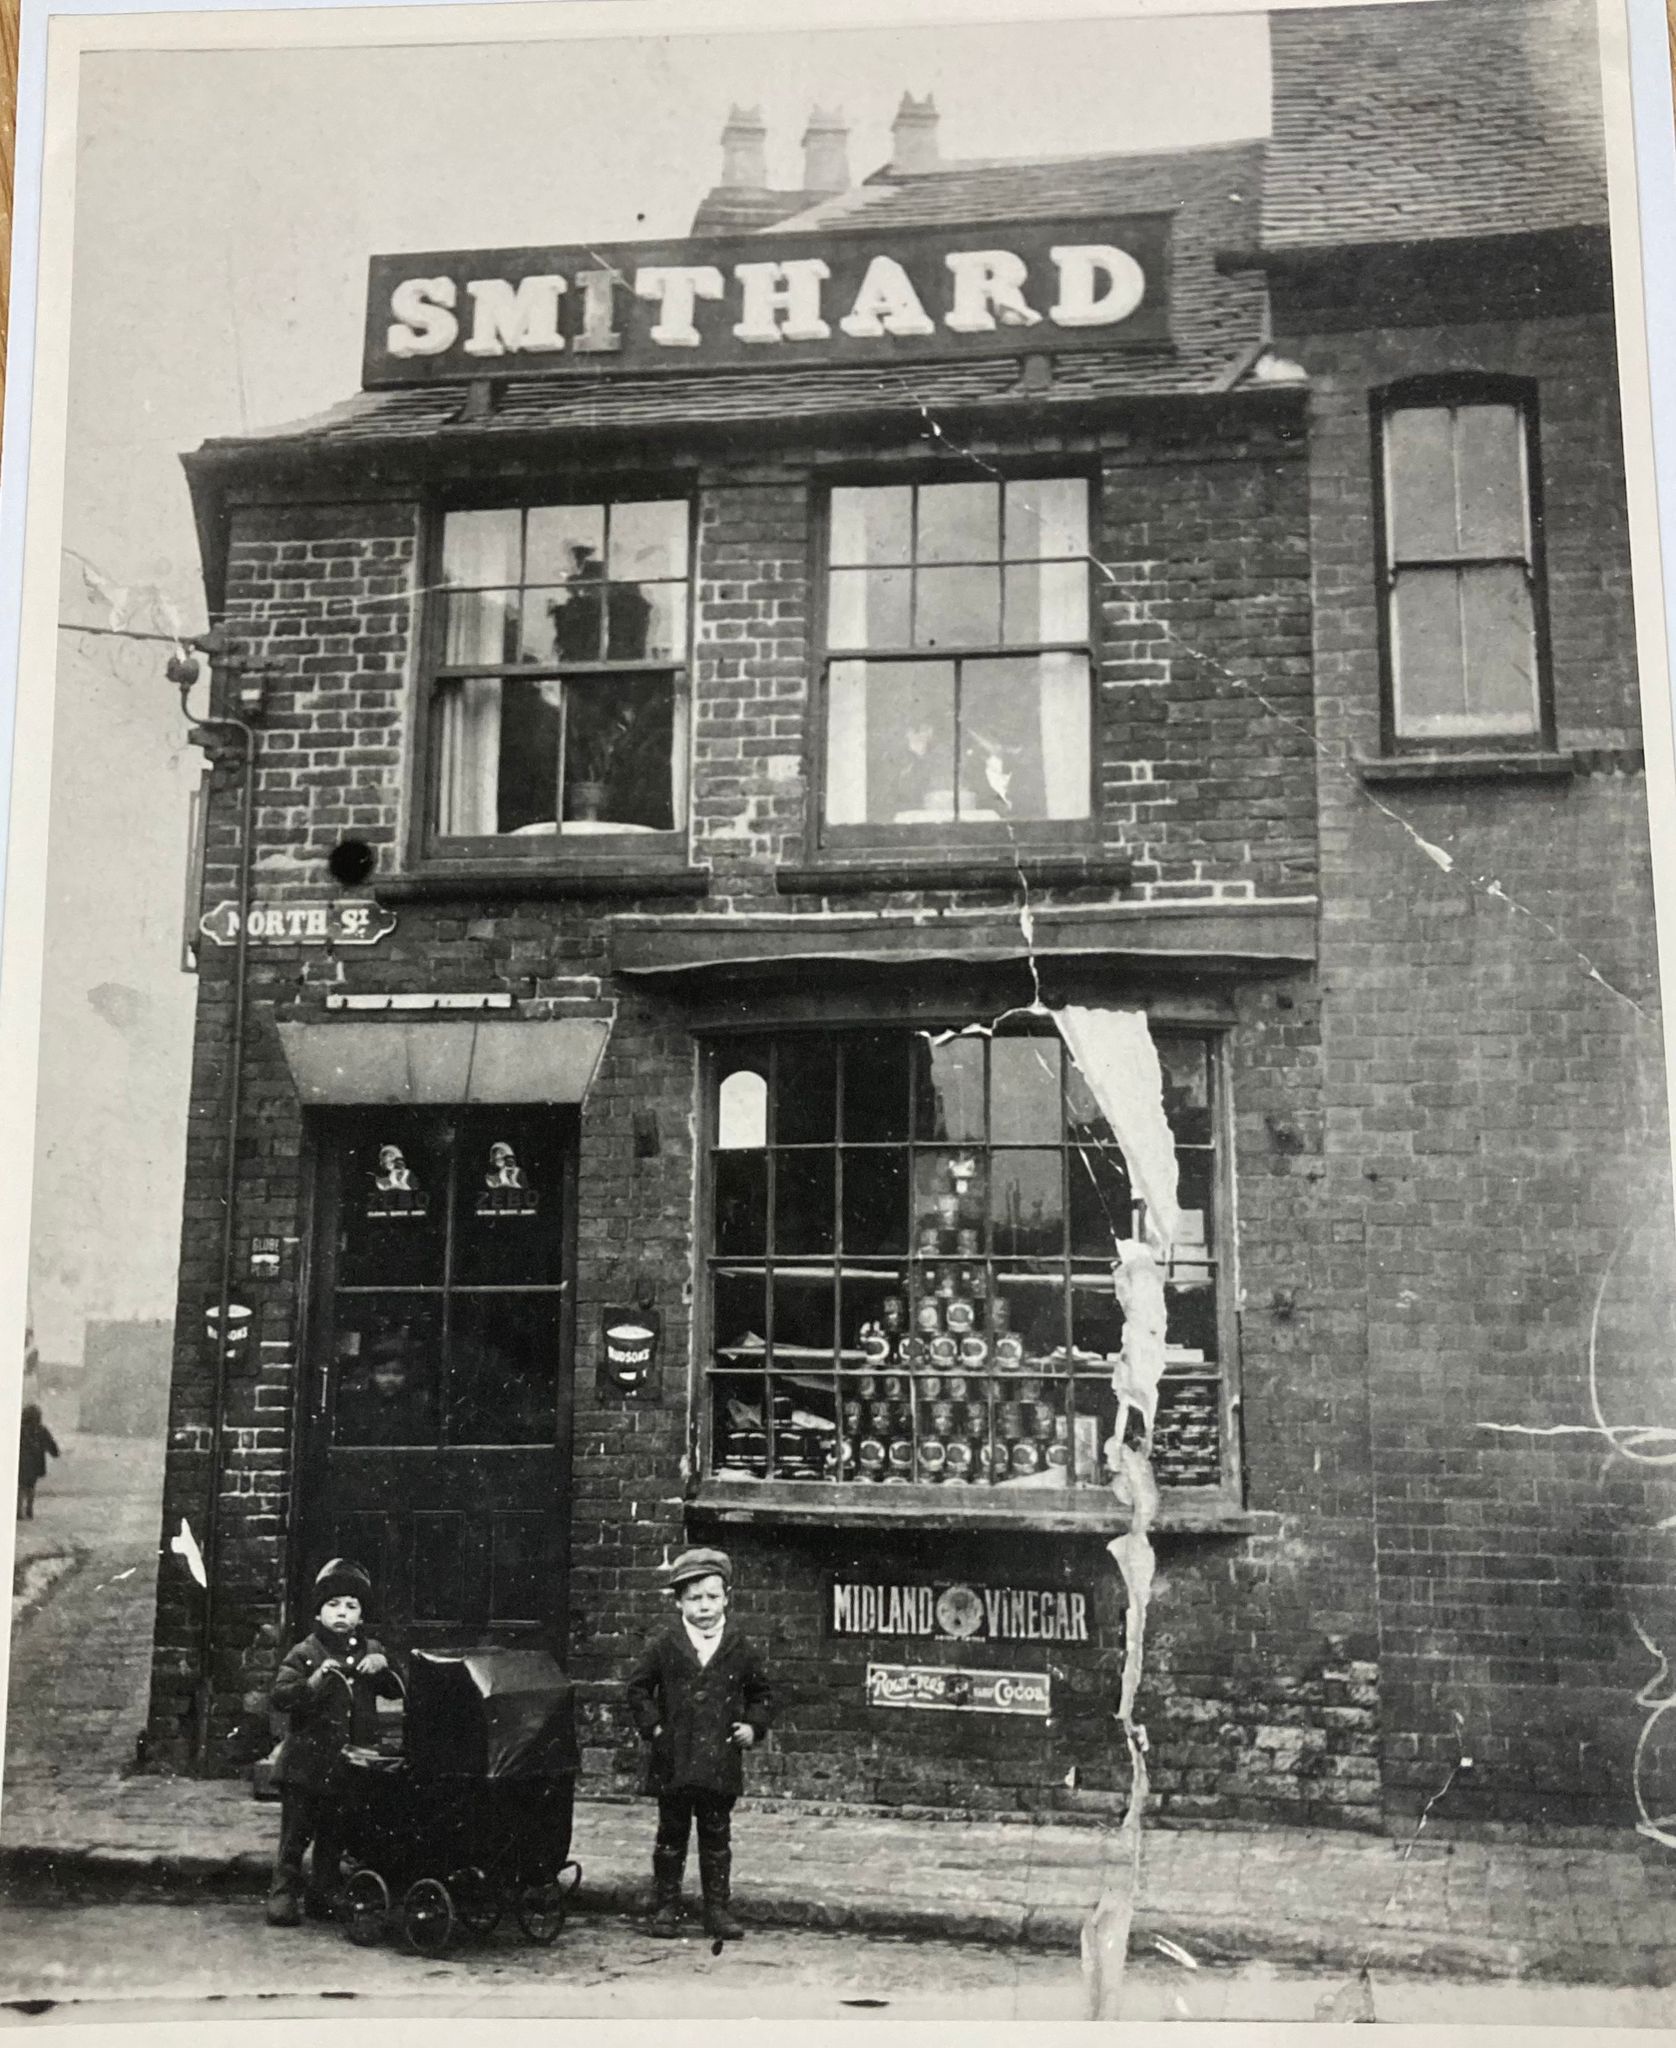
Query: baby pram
[[473, 1820]]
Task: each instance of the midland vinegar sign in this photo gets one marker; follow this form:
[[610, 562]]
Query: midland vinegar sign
[[751, 301]]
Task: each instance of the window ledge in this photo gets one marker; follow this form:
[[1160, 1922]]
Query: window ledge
[[854, 1505], [528, 881], [1510, 764], [980, 870]]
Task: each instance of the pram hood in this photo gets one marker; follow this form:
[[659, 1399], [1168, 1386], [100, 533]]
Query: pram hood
[[491, 1714]]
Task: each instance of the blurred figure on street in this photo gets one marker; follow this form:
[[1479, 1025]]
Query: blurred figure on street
[[36, 1444]]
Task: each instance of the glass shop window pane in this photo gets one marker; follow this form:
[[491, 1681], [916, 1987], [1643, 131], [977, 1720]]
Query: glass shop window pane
[[1024, 1091], [805, 1202], [619, 751], [480, 548], [649, 540], [1426, 653], [439, 1566], [957, 607], [875, 1087], [739, 1303], [1024, 737], [1101, 1204], [950, 1103], [806, 1091], [662, 634], [527, 757], [1027, 1204], [1186, 1068], [1096, 1319], [875, 1204], [1490, 466], [959, 523], [560, 539], [1046, 601], [742, 1097], [741, 1198], [949, 1190], [1047, 519], [508, 1203], [1420, 484], [482, 628], [890, 743], [387, 1370], [868, 608], [872, 526], [503, 1369], [804, 1312], [1500, 649], [392, 1204]]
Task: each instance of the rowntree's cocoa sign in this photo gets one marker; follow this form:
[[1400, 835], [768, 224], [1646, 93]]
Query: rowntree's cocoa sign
[[839, 296]]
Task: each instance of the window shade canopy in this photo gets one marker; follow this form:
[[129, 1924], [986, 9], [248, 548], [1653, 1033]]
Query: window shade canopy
[[444, 1060]]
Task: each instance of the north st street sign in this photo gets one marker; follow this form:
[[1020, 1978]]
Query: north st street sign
[[837, 296], [341, 923]]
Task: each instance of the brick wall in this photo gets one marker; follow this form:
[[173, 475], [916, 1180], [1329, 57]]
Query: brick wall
[[1495, 1126]]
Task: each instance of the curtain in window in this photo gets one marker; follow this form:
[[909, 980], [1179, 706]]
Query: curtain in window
[[1064, 716], [469, 759]]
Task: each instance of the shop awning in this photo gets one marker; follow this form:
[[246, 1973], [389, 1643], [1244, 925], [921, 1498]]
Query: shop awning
[[1228, 936], [444, 1059]]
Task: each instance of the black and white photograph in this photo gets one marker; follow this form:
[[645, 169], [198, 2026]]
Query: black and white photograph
[[832, 1022]]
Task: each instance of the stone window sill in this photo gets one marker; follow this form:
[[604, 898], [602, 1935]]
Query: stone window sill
[[529, 881], [836, 876], [1484, 765], [854, 1505]]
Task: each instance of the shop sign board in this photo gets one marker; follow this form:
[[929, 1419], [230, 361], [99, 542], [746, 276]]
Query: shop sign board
[[937, 1689], [956, 1612], [346, 923], [840, 295], [629, 1347]]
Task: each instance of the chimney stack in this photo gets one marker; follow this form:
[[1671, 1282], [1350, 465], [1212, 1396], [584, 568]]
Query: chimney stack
[[914, 136], [744, 151], [826, 152]]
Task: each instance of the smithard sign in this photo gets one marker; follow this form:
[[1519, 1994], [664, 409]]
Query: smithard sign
[[744, 301]]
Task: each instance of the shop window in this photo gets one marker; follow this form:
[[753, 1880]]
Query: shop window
[[559, 698], [1462, 582], [910, 1265], [957, 659]]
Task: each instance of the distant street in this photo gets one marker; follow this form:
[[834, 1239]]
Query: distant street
[[80, 1666]]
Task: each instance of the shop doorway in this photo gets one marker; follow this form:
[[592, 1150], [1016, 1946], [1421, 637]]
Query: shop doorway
[[436, 1443]]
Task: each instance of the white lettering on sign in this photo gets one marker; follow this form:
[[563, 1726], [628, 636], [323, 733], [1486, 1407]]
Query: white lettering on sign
[[526, 319], [1081, 266], [424, 325], [674, 288], [886, 303], [1093, 285], [1000, 1613], [988, 287], [781, 301]]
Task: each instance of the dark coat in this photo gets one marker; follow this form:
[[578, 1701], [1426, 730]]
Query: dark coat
[[687, 1710], [328, 1710], [35, 1446]]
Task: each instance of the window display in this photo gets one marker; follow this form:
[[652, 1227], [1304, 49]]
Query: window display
[[912, 1236]]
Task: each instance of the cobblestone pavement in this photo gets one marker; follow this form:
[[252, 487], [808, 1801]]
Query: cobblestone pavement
[[1596, 1911]]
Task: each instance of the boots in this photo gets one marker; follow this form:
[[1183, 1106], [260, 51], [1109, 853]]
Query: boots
[[668, 1867], [284, 1909], [715, 1868]]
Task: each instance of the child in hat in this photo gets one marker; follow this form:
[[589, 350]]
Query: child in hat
[[326, 1688], [699, 1696], [35, 1445]]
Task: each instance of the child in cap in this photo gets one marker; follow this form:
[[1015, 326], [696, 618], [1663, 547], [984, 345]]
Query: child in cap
[[35, 1445], [699, 1696], [326, 1688]]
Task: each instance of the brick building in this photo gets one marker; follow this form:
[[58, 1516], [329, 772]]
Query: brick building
[[676, 1079]]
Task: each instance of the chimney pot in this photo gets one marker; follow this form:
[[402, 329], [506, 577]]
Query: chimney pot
[[826, 152], [744, 151], [914, 136]]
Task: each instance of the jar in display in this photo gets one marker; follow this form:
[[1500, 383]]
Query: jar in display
[[942, 1418], [913, 1351], [957, 1460], [881, 1417], [966, 1243], [1042, 1419], [1009, 1422], [944, 1351], [1026, 1456], [899, 1454], [931, 1387], [959, 1315], [1000, 1316], [932, 1454], [871, 1457], [893, 1387], [1009, 1353], [853, 1412], [945, 1285], [974, 1350], [928, 1317]]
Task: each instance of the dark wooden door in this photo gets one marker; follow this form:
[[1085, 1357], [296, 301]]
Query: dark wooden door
[[437, 1443]]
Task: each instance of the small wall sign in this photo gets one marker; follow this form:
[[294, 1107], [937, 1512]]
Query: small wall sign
[[936, 1689], [956, 1613], [264, 1258], [349, 923], [629, 1346], [238, 1327]]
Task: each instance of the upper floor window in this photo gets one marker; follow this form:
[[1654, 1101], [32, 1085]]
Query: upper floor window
[[957, 657], [1461, 570], [559, 691]]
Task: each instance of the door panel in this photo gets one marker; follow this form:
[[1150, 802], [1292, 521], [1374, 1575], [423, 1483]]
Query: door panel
[[437, 1444]]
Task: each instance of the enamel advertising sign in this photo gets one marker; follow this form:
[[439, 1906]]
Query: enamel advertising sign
[[937, 1689], [839, 296]]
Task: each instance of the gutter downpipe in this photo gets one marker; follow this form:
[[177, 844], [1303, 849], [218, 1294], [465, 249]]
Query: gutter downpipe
[[235, 1105]]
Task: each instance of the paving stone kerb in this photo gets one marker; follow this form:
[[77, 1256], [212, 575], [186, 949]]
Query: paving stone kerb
[[1313, 1898]]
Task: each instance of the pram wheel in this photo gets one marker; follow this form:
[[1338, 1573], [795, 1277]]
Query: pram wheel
[[540, 1908], [428, 1916], [478, 1905], [364, 1908]]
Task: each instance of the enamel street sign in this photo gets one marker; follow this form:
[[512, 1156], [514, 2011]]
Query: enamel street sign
[[307, 924]]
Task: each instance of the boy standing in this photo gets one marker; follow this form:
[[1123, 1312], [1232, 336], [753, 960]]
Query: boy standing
[[699, 1695], [35, 1446], [326, 1687]]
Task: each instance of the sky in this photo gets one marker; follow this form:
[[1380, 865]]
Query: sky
[[226, 206]]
